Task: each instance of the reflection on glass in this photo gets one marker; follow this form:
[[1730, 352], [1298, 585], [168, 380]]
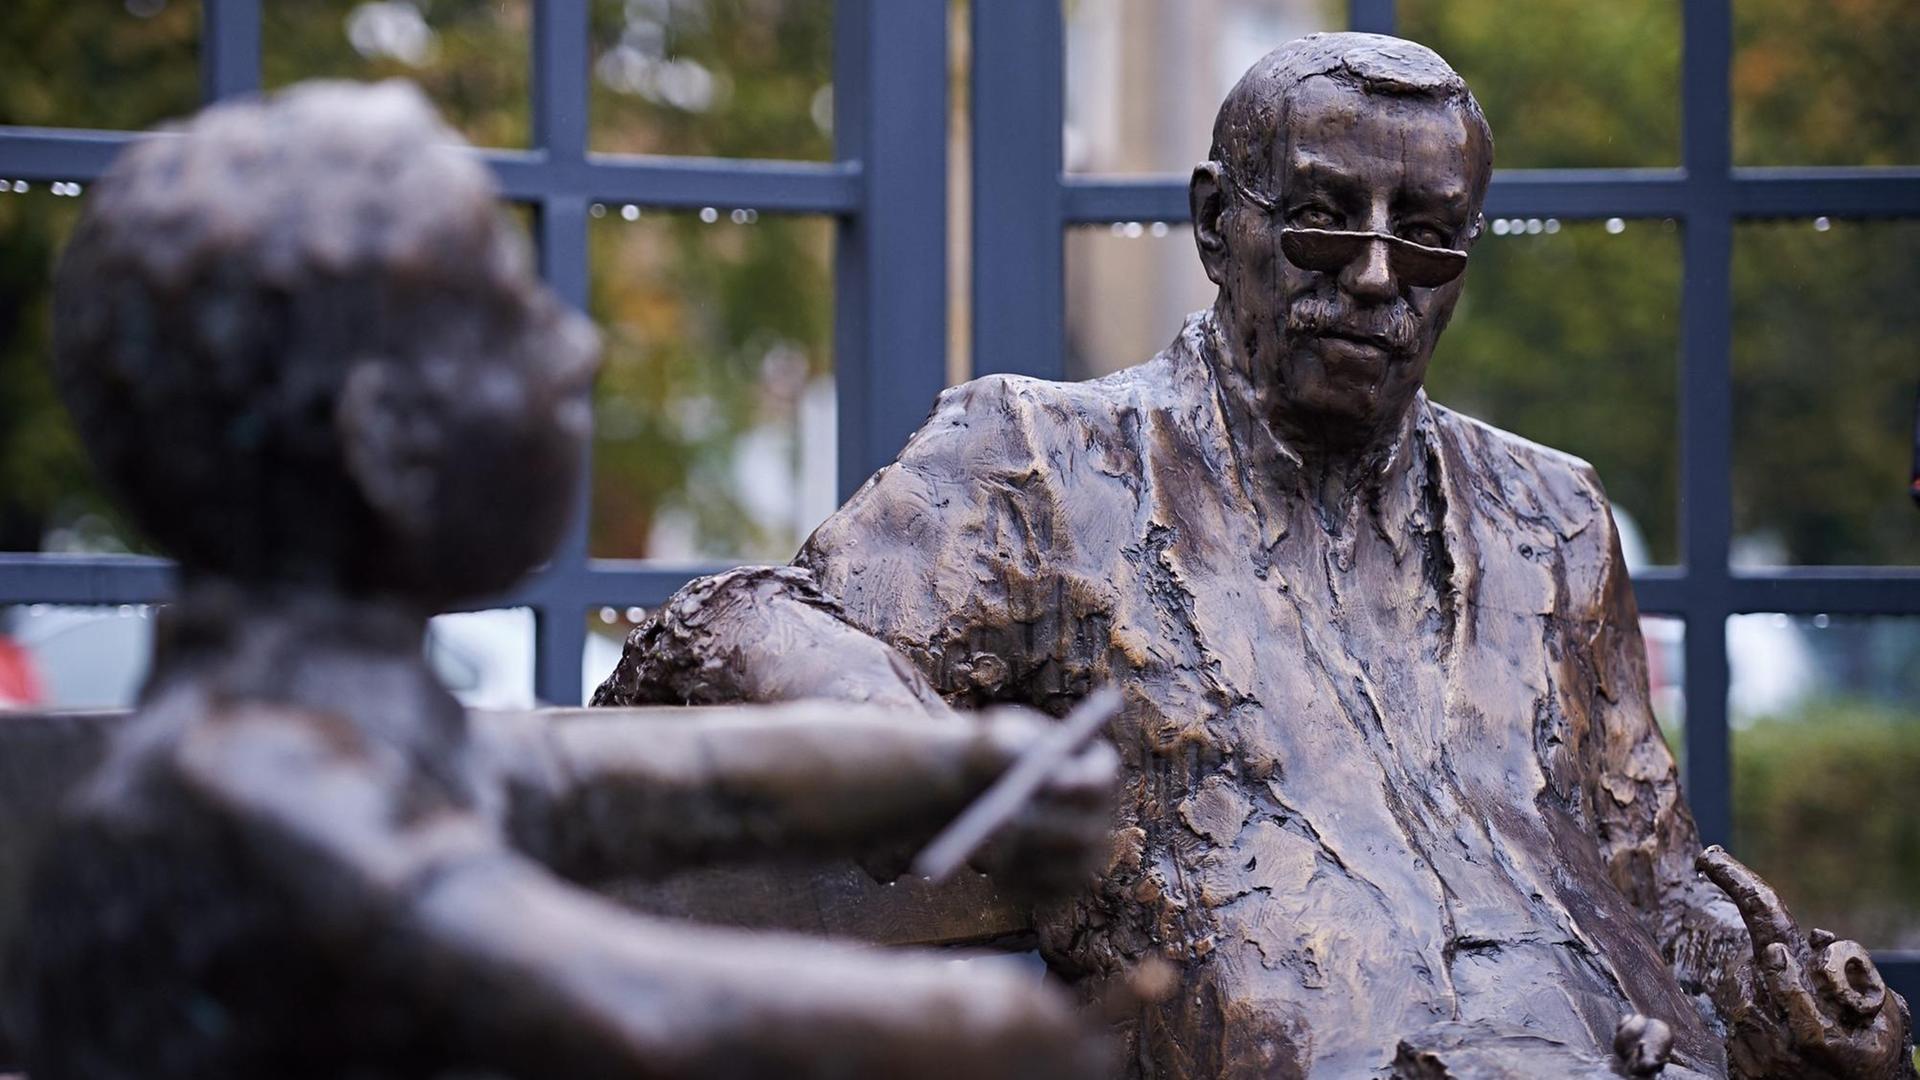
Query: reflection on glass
[[48, 499], [720, 78], [470, 56], [98, 64], [1565, 83], [1568, 333], [607, 628], [1824, 377], [55, 656], [1129, 287], [1144, 77], [1666, 641], [1825, 84], [714, 413], [1826, 756], [484, 657]]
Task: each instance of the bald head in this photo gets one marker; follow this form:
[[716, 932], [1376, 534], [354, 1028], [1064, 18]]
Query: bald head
[[1254, 114]]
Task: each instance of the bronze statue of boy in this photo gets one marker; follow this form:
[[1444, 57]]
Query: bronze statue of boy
[[306, 350]]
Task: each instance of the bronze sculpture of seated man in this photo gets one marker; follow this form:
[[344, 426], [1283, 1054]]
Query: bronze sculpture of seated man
[[305, 347], [1394, 800]]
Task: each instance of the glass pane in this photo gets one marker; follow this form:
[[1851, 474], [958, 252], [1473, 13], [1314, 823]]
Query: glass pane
[[1826, 756], [1129, 287], [1568, 334], [1565, 83], [607, 629], [1824, 376], [1825, 84], [48, 498], [1666, 641], [1145, 77], [98, 64], [714, 413], [470, 56], [721, 78], [484, 657], [53, 656]]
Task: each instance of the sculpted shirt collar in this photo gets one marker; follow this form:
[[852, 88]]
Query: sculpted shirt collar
[[1270, 470]]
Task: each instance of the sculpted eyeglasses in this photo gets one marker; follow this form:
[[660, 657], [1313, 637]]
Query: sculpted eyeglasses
[[1332, 250]]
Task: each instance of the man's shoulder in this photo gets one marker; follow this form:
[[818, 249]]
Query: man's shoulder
[[1025, 397], [1530, 480], [1021, 410]]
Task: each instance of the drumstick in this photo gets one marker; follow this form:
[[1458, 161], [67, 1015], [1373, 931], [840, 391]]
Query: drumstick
[[1016, 787]]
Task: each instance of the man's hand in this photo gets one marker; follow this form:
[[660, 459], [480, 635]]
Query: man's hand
[[1820, 1008], [1063, 835]]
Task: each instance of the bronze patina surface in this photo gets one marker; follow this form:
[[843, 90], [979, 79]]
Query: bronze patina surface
[[1394, 799], [306, 349]]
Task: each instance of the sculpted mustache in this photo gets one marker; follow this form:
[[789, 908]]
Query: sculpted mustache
[[1393, 323]]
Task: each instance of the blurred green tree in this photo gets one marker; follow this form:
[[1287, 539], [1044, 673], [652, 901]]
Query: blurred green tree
[[44, 478], [470, 56], [62, 64], [713, 328], [1575, 347]]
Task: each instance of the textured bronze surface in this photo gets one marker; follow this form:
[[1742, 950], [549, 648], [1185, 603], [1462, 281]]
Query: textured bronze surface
[[45, 758], [1394, 801], [307, 350]]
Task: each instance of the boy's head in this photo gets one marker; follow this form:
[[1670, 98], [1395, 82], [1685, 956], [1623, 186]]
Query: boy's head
[[304, 345]]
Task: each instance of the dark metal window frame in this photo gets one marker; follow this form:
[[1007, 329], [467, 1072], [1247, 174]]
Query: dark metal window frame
[[886, 187], [1024, 201]]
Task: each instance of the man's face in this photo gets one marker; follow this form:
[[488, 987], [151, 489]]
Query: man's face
[[1343, 349]]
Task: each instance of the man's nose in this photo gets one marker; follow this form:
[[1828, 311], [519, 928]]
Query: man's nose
[[1370, 276]]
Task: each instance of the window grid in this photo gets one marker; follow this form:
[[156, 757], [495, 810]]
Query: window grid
[[1024, 200], [886, 187]]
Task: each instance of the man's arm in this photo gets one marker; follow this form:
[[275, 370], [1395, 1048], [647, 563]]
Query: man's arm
[[1647, 835], [938, 582], [1792, 1005], [937, 579]]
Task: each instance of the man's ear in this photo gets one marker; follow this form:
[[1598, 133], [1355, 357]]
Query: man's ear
[[1207, 201], [390, 445]]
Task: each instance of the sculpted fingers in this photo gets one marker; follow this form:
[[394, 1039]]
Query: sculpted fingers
[[1787, 985], [1824, 997], [1760, 908], [1846, 977]]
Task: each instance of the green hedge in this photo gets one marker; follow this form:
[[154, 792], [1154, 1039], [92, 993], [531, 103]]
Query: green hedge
[[1824, 803]]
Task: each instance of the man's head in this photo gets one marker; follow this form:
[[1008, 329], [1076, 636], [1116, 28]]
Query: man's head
[[304, 346], [1341, 134]]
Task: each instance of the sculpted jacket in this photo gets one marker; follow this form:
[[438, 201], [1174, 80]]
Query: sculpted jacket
[[1392, 781]]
